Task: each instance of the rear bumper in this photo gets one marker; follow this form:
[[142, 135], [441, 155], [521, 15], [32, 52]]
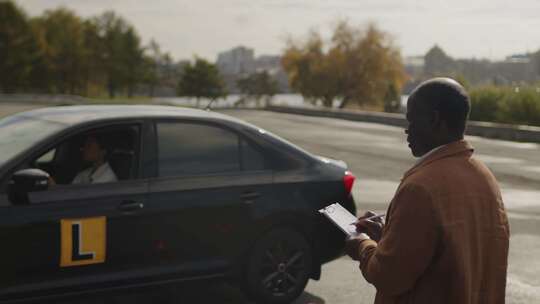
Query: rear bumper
[[349, 204]]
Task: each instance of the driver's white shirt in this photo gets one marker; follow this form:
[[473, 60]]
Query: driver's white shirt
[[103, 174]]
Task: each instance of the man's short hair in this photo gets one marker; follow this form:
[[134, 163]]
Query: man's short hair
[[449, 98]]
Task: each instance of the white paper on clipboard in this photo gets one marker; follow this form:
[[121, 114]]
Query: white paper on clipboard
[[341, 217]]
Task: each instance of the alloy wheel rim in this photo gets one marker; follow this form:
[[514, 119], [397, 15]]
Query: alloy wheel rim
[[282, 269]]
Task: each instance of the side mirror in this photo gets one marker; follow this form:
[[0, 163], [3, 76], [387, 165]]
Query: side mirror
[[24, 181]]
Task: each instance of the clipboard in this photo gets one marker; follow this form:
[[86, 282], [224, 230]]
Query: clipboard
[[341, 217]]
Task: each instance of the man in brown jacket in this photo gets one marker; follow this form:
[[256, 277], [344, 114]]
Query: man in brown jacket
[[446, 234]]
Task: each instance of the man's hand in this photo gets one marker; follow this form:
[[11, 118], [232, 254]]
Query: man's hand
[[52, 182], [373, 228], [352, 244]]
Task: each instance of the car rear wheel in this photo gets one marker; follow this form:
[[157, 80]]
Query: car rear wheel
[[279, 266]]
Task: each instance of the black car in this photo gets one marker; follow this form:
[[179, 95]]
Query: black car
[[197, 195]]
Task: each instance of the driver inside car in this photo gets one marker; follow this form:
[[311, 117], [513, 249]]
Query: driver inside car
[[94, 152]]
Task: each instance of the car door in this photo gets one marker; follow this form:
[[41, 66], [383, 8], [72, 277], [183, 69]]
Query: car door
[[69, 237], [72, 238], [204, 194]]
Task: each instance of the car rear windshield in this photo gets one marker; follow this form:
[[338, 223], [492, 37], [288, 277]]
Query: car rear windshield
[[19, 133]]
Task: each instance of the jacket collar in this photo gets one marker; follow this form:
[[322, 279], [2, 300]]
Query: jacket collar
[[442, 152]]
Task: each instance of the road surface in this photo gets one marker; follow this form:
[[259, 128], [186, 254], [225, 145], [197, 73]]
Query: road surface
[[378, 155]]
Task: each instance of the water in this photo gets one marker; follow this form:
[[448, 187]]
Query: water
[[232, 100], [295, 100]]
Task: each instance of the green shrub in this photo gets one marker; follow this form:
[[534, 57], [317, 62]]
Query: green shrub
[[522, 107], [506, 105], [486, 103]]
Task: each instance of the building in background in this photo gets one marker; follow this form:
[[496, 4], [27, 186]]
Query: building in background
[[241, 62], [515, 69], [238, 61]]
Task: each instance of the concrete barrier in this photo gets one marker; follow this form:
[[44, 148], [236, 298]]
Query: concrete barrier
[[484, 129], [476, 128], [53, 99]]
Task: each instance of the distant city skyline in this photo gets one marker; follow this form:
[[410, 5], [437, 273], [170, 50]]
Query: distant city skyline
[[491, 29]]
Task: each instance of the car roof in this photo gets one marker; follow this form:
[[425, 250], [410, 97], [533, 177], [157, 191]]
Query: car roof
[[71, 115]]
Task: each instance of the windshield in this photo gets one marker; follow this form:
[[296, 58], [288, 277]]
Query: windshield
[[20, 133]]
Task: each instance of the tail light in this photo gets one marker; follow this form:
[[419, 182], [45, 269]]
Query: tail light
[[348, 181]]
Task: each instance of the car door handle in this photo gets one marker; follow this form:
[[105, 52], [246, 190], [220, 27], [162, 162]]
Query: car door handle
[[127, 206], [249, 196]]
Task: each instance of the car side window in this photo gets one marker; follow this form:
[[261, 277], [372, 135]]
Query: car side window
[[191, 149], [47, 157], [101, 155], [107, 153], [252, 158]]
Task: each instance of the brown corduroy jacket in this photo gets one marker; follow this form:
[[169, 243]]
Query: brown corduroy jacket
[[446, 237]]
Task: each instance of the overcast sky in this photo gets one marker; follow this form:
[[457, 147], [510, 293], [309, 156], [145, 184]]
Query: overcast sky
[[463, 28]]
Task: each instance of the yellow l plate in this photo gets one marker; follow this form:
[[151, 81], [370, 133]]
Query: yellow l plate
[[83, 241]]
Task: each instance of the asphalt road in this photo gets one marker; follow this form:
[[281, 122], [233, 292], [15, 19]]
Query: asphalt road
[[378, 155]]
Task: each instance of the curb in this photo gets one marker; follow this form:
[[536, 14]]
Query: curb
[[476, 128]]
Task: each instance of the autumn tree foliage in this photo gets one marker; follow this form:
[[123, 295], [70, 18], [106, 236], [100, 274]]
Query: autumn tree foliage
[[358, 67], [60, 52], [257, 86]]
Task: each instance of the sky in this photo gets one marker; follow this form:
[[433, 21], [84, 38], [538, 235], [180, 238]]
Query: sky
[[491, 29]]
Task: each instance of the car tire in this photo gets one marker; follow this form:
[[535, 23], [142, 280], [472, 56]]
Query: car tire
[[278, 267]]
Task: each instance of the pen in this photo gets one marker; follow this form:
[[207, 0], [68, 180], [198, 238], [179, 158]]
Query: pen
[[372, 217]]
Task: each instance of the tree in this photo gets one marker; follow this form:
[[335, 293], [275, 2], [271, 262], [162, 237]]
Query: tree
[[536, 61], [93, 71], [311, 72], [133, 59], [392, 99], [360, 67], [120, 54], [201, 80], [151, 62], [159, 69], [59, 52], [257, 86], [62, 35], [19, 49]]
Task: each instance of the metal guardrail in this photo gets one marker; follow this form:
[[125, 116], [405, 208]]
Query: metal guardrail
[[476, 128]]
